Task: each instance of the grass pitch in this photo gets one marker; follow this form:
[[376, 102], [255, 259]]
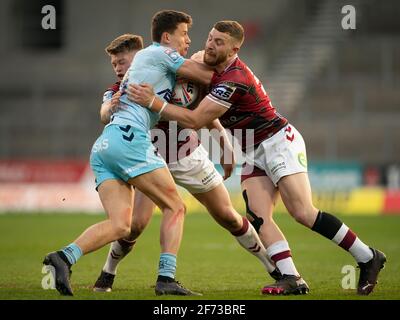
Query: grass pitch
[[210, 260]]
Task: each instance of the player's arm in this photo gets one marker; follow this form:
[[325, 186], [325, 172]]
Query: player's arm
[[108, 107], [227, 157], [198, 72], [105, 112], [190, 69], [207, 111], [195, 67]]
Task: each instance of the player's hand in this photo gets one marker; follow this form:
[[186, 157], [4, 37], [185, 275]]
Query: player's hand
[[141, 94], [228, 169], [228, 163], [109, 107], [115, 101], [198, 56]]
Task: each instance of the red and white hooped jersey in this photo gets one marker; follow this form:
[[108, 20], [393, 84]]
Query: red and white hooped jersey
[[249, 106]]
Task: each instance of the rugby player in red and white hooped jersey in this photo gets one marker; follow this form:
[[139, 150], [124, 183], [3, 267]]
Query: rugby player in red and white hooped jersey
[[276, 163], [194, 172]]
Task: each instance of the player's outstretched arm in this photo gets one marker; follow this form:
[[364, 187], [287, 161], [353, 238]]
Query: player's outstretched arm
[[195, 71], [227, 160], [196, 119]]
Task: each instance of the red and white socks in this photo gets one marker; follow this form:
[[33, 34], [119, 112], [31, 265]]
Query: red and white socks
[[249, 239], [332, 228], [118, 250], [279, 252]]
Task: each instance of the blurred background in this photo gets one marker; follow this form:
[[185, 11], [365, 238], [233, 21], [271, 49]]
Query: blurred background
[[340, 88]]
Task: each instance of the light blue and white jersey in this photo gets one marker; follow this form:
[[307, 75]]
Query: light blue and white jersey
[[156, 65]]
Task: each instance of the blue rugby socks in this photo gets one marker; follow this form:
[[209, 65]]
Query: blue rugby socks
[[72, 252], [167, 265]]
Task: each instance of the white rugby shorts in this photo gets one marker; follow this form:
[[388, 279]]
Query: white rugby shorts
[[196, 172], [281, 155]]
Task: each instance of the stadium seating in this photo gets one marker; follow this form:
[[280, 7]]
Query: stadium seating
[[340, 88]]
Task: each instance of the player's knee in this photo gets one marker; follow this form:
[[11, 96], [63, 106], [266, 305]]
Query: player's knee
[[122, 231], [227, 217], [302, 215], [180, 209], [137, 227], [176, 209], [299, 216], [232, 220], [180, 212], [122, 228]]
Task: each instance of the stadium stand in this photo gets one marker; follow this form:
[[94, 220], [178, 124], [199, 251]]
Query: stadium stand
[[319, 75]]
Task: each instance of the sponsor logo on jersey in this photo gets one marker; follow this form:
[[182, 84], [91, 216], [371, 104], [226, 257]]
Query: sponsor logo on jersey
[[166, 94], [172, 54], [223, 91]]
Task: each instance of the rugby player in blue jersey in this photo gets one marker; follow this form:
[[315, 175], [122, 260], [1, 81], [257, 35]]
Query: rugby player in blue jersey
[[123, 157]]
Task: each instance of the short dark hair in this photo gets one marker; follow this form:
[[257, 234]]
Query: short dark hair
[[233, 28], [126, 42], [167, 21]]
